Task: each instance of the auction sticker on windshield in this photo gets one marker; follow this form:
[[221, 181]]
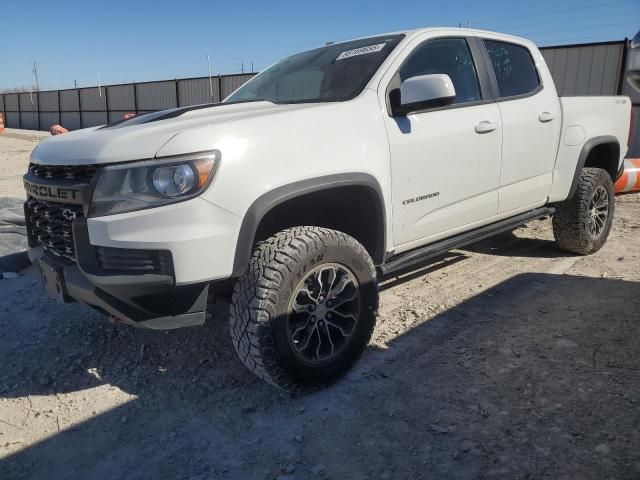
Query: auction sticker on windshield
[[361, 51]]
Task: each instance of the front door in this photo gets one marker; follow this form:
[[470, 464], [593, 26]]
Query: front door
[[445, 163]]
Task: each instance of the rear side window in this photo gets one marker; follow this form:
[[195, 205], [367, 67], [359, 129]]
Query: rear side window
[[514, 68], [450, 56]]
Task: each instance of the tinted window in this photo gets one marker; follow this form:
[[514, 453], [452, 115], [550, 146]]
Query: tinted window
[[514, 68], [328, 74], [450, 56]]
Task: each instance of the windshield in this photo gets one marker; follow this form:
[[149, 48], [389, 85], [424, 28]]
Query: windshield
[[329, 74]]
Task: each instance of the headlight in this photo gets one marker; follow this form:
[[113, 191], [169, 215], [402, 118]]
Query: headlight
[[152, 183], [174, 180]]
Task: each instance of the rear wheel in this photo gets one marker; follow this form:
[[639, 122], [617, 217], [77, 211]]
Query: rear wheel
[[305, 309], [582, 223]]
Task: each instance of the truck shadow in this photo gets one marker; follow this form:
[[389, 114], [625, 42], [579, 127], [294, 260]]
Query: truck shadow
[[536, 376], [510, 244]]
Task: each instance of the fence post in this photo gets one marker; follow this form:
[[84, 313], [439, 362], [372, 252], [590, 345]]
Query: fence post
[[59, 110], [135, 98], [177, 93], [39, 121], [106, 103], [38, 110], [79, 107], [219, 88], [19, 112]]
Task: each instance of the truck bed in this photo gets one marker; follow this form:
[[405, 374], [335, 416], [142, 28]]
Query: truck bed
[[586, 118]]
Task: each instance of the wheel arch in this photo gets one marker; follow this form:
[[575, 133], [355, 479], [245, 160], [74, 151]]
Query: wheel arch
[[601, 152], [287, 196]]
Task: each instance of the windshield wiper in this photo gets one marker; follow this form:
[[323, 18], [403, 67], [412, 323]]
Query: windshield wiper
[[249, 101]]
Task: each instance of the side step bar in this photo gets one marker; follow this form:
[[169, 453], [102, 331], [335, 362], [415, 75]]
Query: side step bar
[[405, 260]]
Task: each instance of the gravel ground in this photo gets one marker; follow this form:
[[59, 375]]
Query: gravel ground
[[509, 360], [15, 147]]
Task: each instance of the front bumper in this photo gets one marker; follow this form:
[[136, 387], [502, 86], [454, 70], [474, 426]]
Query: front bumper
[[148, 301], [200, 236], [152, 268]]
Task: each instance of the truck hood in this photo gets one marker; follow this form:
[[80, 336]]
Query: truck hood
[[141, 137]]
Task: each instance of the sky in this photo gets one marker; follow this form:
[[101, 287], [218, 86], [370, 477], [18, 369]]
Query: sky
[[91, 42]]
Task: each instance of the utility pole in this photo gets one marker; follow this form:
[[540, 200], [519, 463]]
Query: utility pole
[[103, 105], [251, 66], [75, 83], [242, 66], [35, 116], [35, 74], [210, 80]]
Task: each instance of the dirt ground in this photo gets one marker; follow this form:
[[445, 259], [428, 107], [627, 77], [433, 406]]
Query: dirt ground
[[15, 147], [509, 359]]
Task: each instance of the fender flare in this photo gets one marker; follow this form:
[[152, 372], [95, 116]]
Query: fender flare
[[263, 204], [588, 146]]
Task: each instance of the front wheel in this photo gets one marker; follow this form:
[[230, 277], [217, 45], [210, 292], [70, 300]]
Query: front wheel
[[582, 223], [305, 309]]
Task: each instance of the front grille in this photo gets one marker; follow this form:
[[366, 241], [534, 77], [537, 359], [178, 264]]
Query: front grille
[[75, 173], [130, 261], [50, 224]]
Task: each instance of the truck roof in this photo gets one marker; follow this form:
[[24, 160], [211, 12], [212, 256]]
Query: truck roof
[[451, 30]]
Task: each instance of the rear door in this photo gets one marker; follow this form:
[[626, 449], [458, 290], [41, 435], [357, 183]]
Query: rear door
[[531, 122]]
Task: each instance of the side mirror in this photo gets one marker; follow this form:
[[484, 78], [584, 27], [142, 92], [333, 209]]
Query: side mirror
[[633, 63], [422, 93]]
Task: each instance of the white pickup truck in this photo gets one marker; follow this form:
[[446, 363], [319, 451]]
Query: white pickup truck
[[330, 169]]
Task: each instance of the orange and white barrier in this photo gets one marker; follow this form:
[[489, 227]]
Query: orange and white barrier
[[1, 122], [630, 179]]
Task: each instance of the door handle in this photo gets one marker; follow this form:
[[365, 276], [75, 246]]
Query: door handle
[[486, 127], [546, 117]]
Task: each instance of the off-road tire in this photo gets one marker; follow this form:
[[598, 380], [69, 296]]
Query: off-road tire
[[262, 297], [571, 220]]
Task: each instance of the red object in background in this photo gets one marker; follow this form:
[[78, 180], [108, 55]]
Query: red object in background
[[1, 122], [630, 179], [58, 130]]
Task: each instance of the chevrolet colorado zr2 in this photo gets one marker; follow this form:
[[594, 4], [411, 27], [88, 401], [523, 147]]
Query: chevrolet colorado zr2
[[328, 170]]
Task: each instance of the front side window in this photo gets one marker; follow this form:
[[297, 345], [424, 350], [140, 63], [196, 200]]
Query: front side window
[[450, 56], [514, 68], [329, 74]]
